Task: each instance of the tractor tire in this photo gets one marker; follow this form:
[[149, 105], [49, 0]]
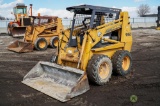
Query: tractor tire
[[11, 26], [99, 69], [122, 62], [41, 44], [9, 29], [54, 42]]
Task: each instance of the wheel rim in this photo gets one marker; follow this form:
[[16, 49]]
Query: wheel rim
[[104, 70], [55, 42], [126, 63], [42, 44]]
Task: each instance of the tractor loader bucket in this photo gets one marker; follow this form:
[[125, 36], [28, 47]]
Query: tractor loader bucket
[[59, 82], [18, 31], [21, 47]]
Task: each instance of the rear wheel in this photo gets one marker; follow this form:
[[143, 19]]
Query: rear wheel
[[41, 44], [122, 62], [99, 69], [54, 41]]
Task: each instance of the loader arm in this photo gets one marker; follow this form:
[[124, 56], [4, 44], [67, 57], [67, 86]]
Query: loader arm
[[105, 29]]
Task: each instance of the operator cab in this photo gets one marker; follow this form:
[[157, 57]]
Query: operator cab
[[89, 17], [20, 9]]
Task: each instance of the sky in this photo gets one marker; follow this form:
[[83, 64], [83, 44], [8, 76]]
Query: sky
[[58, 7]]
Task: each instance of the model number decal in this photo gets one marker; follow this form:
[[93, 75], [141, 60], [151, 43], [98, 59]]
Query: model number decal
[[128, 34]]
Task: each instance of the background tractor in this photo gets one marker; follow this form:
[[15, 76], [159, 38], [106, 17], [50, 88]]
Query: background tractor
[[17, 27], [98, 43], [43, 32]]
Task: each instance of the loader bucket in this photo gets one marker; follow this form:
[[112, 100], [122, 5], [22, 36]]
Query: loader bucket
[[21, 47], [18, 31], [59, 82]]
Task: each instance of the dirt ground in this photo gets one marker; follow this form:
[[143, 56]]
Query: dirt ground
[[144, 81]]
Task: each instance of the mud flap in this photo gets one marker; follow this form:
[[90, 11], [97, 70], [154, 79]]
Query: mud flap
[[21, 47], [59, 82], [18, 31]]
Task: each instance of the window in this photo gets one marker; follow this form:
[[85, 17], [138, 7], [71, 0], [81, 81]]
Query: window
[[20, 10]]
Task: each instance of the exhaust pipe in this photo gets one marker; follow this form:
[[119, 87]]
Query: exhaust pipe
[[31, 9]]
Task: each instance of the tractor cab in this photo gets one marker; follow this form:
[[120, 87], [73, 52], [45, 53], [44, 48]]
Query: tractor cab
[[20, 10], [89, 17]]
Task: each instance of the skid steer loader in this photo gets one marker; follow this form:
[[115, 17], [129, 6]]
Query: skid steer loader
[[43, 32], [98, 42]]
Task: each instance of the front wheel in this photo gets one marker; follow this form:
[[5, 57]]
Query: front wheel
[[99, 69], [122, 62], [41, 44]]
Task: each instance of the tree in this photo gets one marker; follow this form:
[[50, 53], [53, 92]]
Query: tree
[[143, 9], [2, 18]]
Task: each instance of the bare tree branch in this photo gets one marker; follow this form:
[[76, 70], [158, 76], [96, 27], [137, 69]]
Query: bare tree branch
[[143, 9]]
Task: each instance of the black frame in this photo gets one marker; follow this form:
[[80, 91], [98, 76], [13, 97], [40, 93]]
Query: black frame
[[89, 10], [92, 10]]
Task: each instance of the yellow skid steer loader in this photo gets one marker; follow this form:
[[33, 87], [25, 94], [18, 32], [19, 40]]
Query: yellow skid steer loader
[[43, 33], [98, 43]]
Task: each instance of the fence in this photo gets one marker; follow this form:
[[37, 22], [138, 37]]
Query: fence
[[143, 22], [135, 23]]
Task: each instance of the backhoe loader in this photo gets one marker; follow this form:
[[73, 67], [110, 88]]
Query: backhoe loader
[[98, 42], [17, 27], [43, 33]]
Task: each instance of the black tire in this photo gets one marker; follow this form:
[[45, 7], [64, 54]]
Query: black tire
[[53, 40], [9, 29], [38, 46], [94, 66], [118, 59]]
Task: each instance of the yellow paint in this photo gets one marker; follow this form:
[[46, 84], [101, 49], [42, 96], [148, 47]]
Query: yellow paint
[[158, 28], [126, 63], [103, 70]]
